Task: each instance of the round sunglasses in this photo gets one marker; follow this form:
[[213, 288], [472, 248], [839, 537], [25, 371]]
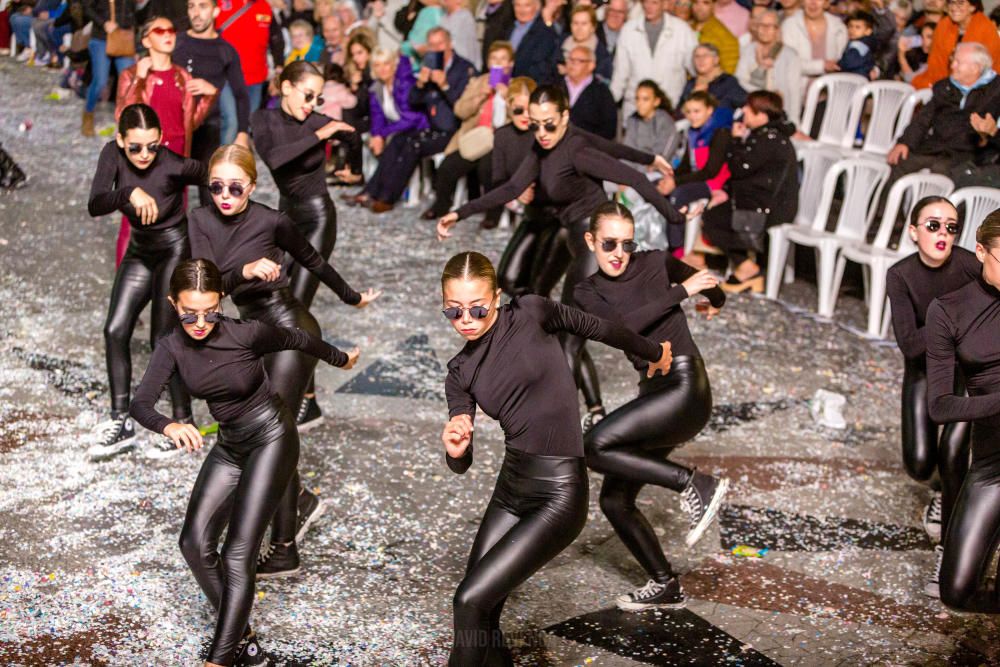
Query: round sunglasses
[[477, 312], [934, 225], [629, 247], [309, 96], [235, 189], [135, 149], [549, 127]]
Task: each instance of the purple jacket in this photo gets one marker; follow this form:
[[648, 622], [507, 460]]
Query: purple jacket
[[408, 118]]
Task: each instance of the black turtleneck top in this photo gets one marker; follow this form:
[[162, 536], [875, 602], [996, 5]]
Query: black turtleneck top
[[647, 299], [224, 369], [258, 231], [165, 180], [291, 151]]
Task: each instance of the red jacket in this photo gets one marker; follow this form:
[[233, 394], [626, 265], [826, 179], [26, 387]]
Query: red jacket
[[250, 35], [981, 29], [132, 90]]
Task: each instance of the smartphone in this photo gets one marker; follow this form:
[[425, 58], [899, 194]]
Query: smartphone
[[497, 76], [434, 60]]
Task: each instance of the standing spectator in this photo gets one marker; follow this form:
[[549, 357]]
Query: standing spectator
[[98, 12], [710, 30], [817, 36], [591, 105], [859, 55], [415, 45], [381, 23], [734, 16], [250, 27], [680, 8], [497, 18], [615, 14], [965, 22], [709, 77], [461, 25], [333, 42], [536, 45], [767, 64], [788, 8], [657, 47], [583, 32]]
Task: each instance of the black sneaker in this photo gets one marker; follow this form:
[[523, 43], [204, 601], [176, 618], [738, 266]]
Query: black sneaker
[[309, 416], [932, 518], [249, 653], [278, 560], [163, 447], [310, 509], [592, 418], [112, 437], [654, 594], [932, 588], [701, 500]]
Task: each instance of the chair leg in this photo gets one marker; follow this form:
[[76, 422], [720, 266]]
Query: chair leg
[[413, 189], [777, 261], [691, 230], [886, 319], [876, 302], [838, 278], [461, 192], [866, 283], [826, 264]]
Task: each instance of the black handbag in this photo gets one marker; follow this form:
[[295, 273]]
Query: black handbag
[[749, 227]]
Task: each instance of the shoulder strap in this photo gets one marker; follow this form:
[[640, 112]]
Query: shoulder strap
[[235, 16], [113, 17]]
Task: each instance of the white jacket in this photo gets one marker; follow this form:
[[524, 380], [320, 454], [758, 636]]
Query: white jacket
[[795, 35], [668, 64], [785, 77]]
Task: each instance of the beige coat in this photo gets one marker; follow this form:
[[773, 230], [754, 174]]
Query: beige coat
[[468, 107]]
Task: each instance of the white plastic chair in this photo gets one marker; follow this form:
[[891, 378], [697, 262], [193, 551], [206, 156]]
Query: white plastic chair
[[916, 99], [979, 202], [887, 99], [877, 257], [863, 182], [816, 162], [840, 90], [692, 228]]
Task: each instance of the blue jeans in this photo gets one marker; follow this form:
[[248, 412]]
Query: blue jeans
[[48, 38], [227, 109], [100, 66], [20, 25]]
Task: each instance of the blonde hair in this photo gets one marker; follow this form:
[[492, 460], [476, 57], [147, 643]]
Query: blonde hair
[[469, 265], [522, 85], [236, 155]]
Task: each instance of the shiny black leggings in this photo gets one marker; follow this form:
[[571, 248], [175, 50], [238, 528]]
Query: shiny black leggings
[[974, 531], [288, 371], [536, 257], [539, 506], [631, 447], [239, 486], [143, 277], [923, 449]]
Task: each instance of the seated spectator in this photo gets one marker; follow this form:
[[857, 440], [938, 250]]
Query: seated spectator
[[50, 29], [334, 51], [859, 55], [536, 45], [762, 180], [658, 47], [711, 30], [485, 103], [337, 95], [305, 45], [651, 128], [933, 12], [709, 77], [23, 19], [680, 8], [817, 36], [734, 16], [461, 25], [381, 22], [788, 8], [583, 32], [767, 64], [965, 22], [591, 105], [912, 53], [357, 72], [434, 93], [415, 45], [940, 137], [615, 14]]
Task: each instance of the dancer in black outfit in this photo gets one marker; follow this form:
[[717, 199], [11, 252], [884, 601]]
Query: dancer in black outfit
[[146, 184], [566, 165], [248, 470], [249, 241], [631, 445], [937, 268], [513, 367], [962, 329], [292, 142]]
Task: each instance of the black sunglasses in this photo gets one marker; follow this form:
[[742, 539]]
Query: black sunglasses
[[135, 149], [235, 189], [518, 111], [549, 127], [310, 96], [192, 318], [629, 247], [934, 225], [478, 312]]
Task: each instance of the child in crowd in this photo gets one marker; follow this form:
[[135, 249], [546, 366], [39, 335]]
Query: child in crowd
[[305, 45], [859, 56], [913, 52]]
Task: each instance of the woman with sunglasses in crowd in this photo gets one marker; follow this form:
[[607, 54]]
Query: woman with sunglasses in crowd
[[631, 446], [935, 269], [146, 183], [292, 142], [513, 368], [961, 331], [247, 472], [565, 163], [248, 242]]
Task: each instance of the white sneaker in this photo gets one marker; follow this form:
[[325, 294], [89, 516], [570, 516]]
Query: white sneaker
[[111, 438]]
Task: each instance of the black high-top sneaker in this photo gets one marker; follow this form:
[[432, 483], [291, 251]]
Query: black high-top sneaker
[[701, 500], [667, 595], [249, 653], [310, 509], [111, 438], [278, 560], [309, 415]]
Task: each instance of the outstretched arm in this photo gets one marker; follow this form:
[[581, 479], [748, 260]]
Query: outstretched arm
[[291, 240], [591, 162], [267, 339]]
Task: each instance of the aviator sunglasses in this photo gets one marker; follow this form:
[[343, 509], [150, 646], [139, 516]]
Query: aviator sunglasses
[[629, 247], [162, 31], [477, 312], [934, 225], [135, 149], [235, 189], [192, 318], [550, 127]]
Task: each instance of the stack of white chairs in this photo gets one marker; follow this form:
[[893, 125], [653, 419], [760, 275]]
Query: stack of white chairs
[[916, 99], [834, 129], [888, 99], [979, 203]]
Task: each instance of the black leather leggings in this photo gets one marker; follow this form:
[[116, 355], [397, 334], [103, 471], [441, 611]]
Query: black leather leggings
[[923, 449], [240, 483], [974, 531], [539, 506], [289, 371], [631, 447], [143, 277]]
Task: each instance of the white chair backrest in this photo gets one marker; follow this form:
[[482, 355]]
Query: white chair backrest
[[917, 186], [887, 100], [816, 162], [682, 126], [840, 89], [863, 181], [979, 203], [917, 98]]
